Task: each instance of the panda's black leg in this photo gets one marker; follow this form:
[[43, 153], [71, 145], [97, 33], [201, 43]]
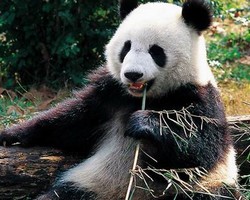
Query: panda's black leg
[[66, 192]]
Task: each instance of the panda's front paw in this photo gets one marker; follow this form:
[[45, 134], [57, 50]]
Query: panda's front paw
[[7, 137], [142, 125]]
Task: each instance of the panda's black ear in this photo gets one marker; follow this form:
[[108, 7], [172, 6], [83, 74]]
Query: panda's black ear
[[126, 6], [197, 13]]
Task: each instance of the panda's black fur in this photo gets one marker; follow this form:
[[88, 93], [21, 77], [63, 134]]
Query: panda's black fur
[[104, 119]]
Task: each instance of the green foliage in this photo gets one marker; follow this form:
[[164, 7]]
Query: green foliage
[[222, 8], [224, 50], [241, 72], [14, 110], [220, 51], [53, 42], [228, 47]]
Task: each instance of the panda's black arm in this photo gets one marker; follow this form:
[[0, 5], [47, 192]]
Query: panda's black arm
[[73, 124], [70, 124], [175, 144], [201, 148]]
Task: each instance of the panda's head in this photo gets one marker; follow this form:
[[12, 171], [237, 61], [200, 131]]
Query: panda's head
[[160, 45]]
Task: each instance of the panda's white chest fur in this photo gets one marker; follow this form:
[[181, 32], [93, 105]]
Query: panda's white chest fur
[[110, 163]]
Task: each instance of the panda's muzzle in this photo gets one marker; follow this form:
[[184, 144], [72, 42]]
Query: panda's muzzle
[[136, 84], [137, 88]]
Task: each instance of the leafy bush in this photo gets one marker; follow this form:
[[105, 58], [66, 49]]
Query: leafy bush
[[223, 51], [14, 109], [228, 47], [241, 72], [47, 41], [222, 8]]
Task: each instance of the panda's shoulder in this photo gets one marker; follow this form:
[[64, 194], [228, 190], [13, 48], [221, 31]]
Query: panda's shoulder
[[192, 90], [103, 80], [202, 95], [100, 82]]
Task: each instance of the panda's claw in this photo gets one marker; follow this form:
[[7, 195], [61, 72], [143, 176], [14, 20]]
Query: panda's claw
[[7, 138]]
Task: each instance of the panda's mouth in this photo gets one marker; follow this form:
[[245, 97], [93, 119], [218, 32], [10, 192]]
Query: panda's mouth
[[137, 88]]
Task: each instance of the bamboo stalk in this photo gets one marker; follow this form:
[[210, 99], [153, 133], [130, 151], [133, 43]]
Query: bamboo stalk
[[137, 150]]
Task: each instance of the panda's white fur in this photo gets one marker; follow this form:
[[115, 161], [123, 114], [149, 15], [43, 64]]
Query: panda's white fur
[[224, 172], [105, 172], [161, 24]]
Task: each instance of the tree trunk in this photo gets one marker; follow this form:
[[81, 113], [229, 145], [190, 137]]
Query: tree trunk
[[26, 172]]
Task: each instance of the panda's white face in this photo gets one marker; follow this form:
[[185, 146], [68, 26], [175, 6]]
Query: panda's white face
[[153, 46]]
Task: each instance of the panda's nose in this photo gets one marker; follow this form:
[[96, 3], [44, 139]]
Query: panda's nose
[[133, 76]]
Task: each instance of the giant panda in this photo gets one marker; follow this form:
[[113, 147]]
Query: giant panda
[[157, 48]]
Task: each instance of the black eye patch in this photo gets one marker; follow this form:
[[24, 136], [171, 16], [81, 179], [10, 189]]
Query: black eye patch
[[126, 48], [158, 55]]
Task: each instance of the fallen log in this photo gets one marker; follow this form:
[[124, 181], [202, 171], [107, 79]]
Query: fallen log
[[26, 172], [239, 119]]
